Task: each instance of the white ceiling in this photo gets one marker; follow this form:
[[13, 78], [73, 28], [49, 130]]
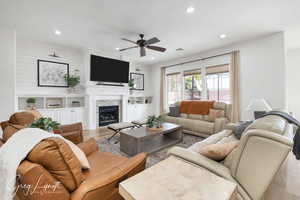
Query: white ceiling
[[100, 24]]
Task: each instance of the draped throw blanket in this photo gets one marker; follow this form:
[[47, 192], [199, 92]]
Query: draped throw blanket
[[292, 120], [13, 152]]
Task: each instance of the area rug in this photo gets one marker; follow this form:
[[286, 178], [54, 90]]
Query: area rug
[[113, 146]]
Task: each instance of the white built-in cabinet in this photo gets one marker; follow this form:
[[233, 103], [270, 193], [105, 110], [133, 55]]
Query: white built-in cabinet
[[62, 110]]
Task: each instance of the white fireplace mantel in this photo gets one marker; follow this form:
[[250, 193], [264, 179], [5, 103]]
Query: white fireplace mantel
[[96, 93]]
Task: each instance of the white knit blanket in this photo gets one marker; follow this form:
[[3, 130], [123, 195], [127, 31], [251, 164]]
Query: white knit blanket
[[13, 152]]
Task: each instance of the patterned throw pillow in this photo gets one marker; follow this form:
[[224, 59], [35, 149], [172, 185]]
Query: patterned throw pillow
[[174, 111], [214, 114]]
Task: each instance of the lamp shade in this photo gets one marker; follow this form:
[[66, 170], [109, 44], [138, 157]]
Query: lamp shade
[[258, 105]]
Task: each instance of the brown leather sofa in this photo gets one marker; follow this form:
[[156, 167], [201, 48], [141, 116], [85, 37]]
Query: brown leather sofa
[[52, 172], [72, 132]]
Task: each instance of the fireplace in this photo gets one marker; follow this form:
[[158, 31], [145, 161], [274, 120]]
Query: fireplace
[[108, 115]]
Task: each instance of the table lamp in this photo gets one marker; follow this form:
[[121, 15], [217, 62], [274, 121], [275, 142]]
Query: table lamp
[[259, 107]]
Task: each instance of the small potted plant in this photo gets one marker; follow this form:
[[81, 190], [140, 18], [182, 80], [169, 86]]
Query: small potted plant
[[72, 80], [31, 102], [131, 85], [45, 123], [154, 123]]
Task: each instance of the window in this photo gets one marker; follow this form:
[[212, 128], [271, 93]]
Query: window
[[192, 85], [173, 88], [217, 83]]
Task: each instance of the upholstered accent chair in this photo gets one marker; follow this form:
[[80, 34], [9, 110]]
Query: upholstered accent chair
[[262, 149], [72, 132], [53, 171]]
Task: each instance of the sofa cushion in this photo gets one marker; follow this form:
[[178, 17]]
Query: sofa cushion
[[174, 111], [219, 105], [58, 159], [10, 130], [213, 139], [218, 151], [200, 107], [184, 106], [21, 118], [271, 123], [214, 114], [183, 115], [196, 125], [196, 116], [102, 162]]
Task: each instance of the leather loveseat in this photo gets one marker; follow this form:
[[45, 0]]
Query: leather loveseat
[[263, 147]]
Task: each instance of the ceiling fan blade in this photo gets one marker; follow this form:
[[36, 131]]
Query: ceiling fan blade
[[128, 48], [142, 51], [152, 41], [128, 40], [156, 48]]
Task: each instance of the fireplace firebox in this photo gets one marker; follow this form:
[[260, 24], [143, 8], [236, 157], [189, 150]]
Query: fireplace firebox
[[108, 115]]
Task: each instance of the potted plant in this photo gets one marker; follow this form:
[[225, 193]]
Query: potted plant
[[45, 123], [72, 80], [154, 123], [131, 85], [31, 102]]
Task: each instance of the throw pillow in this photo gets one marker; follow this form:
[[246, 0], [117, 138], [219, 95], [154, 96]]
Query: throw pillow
[[218, 152], [214, 114], [239, 129], [79, 154], [174, 111]]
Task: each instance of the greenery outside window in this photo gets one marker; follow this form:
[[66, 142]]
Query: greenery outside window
[[192, 85]]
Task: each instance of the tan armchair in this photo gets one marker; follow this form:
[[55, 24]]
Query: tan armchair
[[64, 177], [72, 132], [253, 164]]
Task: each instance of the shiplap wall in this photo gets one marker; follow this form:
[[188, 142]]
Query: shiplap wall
[[28, 52]]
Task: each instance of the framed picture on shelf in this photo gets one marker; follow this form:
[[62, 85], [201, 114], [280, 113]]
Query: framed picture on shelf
[[51, 74], [138, 81]]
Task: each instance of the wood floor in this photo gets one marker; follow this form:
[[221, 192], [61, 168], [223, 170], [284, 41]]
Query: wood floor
[[285, 186]]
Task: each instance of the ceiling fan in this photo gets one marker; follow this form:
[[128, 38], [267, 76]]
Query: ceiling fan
[[143, 44]]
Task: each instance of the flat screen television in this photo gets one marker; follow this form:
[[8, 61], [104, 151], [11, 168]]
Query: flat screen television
[[109, 70]]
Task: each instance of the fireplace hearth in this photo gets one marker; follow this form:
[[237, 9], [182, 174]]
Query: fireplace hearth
[[108, 115]]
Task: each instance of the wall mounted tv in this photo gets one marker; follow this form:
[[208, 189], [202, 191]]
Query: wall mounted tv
[[109, 70]]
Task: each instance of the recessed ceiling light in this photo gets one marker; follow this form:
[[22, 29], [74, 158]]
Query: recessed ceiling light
[[152, 58], [190, 9], [117, 48], [222, 36], [57, 32], [179, 49]]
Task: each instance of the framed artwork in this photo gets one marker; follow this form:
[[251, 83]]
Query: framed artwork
[[138, 81], [51, 74]]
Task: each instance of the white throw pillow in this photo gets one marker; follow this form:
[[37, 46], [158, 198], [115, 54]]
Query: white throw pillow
[[79, 154]]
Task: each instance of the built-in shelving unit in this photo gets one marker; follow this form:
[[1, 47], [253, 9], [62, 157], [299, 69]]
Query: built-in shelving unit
[[140, 100], [52, 101]]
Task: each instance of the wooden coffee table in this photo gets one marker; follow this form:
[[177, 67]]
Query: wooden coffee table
[[175, 179], [142, 139]]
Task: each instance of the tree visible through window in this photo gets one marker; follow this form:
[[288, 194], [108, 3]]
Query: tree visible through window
[[173, 88], [192, 85]]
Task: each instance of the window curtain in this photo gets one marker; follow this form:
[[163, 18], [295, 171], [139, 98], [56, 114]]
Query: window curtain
[[234, 73], [162, 90]]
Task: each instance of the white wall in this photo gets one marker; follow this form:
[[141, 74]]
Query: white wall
[[293, 85], [28, 52], [262, 71], [7, 72]]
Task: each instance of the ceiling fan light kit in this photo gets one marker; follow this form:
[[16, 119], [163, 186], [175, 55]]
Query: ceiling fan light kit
[[144, 44]]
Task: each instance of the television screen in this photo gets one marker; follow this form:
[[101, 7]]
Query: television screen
[[109, 70]]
